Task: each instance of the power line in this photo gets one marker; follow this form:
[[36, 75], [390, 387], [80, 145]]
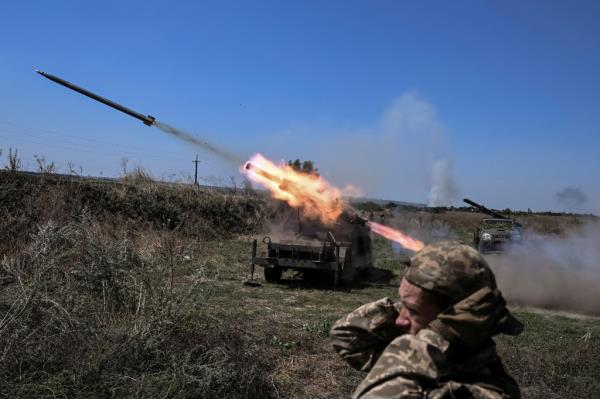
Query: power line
[[138, 154], [77, 147], [90, 139]]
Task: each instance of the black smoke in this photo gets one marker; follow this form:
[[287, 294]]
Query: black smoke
[[571, 198], [222, 153]]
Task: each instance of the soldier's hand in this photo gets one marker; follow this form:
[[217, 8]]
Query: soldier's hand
[[476, 318]]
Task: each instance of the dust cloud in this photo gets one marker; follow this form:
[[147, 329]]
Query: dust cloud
[[231, 158], [556, 272]]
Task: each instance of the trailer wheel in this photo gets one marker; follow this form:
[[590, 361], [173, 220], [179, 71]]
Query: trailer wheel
[[273, 274]]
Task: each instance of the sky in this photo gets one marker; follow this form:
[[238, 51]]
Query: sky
[[428, 101]]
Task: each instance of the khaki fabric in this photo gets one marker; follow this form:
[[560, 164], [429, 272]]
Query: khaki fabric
[[455, 356], [400, 365], [476, 319], [362, 335]]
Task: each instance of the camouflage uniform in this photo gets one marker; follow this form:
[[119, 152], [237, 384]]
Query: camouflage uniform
[[454, 357]]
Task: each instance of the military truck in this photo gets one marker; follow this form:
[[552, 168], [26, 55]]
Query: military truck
[[343, 251], [495, 234]]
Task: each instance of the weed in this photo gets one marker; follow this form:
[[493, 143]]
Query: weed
[[320, 328]]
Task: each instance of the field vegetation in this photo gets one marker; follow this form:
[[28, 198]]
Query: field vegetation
[[134, 289]]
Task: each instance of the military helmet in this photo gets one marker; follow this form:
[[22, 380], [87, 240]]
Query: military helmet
[[456, 271], [450, 268]]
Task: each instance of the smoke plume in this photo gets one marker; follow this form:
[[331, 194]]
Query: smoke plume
[[234, 159], [392, 159], [571, 198], [443, 188], [558, 272]]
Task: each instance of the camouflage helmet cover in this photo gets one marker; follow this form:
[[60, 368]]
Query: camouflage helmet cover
[[450, 268]]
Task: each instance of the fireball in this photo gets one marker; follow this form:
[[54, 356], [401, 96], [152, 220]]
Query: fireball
[[310, 193]]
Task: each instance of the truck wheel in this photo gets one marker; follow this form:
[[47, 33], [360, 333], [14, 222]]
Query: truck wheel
[[273, 274]]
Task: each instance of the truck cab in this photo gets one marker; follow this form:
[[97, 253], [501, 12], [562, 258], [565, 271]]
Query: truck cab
[[495, 234]]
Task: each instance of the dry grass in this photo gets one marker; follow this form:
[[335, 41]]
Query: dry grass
[[86, 314], [27, 201], [138, 176]]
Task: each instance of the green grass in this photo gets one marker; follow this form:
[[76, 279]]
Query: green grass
[[555, 357]]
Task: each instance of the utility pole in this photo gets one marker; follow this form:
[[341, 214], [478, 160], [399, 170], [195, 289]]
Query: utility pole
[[196, 172]]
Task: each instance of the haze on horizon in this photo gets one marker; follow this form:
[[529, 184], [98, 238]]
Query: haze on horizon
[[428, 102]]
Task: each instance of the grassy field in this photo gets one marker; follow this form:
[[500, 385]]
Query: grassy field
[[102, 295]]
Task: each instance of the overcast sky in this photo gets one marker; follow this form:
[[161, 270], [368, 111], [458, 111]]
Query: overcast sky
[[419, 101]]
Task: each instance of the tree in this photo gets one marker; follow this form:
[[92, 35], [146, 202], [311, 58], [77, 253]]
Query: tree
[[14, 162], [307, 167]]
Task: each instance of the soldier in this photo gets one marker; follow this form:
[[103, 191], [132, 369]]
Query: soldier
[[436, 340]]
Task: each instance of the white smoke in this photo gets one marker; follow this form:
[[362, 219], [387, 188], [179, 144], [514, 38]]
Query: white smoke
[[394, 159], [444, 188], [560, 272]]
